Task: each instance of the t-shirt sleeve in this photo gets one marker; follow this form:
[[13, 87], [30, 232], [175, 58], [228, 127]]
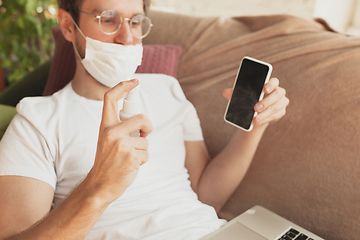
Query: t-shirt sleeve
[[192, 127], [25, 152], [191, 124]]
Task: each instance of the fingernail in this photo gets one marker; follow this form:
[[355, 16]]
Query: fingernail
[[134, 80], [268, 89], [259, 107]]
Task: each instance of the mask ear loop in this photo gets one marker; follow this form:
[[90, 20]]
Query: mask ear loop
[[76, 51]]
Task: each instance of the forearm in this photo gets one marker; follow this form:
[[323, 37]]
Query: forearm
[[72, 219], [224, 173], [217, 181]]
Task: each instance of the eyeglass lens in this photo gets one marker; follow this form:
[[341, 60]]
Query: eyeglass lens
[[110, 22]]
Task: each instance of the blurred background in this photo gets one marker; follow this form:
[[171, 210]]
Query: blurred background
[[343, 15], [26, 39], [304, 8]]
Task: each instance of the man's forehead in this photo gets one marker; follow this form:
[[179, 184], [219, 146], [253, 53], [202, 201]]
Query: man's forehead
[[122, 6]]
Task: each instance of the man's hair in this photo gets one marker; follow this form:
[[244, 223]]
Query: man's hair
[[73, 7]]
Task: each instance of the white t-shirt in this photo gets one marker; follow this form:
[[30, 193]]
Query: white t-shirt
[[54, 139]]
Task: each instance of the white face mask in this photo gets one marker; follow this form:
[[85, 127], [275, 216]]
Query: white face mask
[[110, 63]]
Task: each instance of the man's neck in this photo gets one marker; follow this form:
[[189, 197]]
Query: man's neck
[[86, 86]]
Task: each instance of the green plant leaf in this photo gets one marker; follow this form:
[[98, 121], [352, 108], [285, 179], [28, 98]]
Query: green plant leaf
[[6, 63], [25, 35], [21, 23], [30, 5]]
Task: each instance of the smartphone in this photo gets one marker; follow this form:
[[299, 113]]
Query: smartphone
[[248, 88]]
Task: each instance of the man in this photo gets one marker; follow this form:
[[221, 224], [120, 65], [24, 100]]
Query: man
[[103, 183]]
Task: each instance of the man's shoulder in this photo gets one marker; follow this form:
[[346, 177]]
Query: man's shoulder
[[150, 78], [164, 86], [41, 106], [158, 82]]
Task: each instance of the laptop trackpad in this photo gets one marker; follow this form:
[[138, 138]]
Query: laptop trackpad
[[237, 231]]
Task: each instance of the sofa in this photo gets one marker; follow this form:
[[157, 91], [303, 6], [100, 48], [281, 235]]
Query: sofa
[[307, 166]]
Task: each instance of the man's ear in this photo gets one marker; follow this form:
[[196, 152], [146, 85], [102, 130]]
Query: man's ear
[[66, 25]]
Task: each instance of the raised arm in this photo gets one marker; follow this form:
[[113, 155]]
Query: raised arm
[[25, 205], [215, 180]]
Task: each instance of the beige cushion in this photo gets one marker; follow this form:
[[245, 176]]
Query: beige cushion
[[307, 166]]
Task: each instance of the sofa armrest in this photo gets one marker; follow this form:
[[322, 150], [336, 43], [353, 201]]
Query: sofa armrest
[[32, 84], [6, 115]]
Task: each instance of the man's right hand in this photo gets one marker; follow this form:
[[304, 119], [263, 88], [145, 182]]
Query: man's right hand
[[119, 156]]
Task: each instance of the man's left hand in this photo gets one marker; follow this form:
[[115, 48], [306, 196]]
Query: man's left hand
[[272, 107]]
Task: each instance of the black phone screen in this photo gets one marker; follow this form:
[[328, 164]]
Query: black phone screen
[[246, 93]]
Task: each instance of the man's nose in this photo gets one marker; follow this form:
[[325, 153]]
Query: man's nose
[[124, 35]]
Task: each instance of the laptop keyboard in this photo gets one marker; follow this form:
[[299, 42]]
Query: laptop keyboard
[[293, 234]]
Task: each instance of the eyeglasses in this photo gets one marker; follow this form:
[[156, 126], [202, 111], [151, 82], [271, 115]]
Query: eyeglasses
[[110, 22]]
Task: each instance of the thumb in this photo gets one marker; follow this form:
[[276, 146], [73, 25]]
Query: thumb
[[227, 93]]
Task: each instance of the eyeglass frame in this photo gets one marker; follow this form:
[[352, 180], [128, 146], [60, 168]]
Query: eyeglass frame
[[122, 20]]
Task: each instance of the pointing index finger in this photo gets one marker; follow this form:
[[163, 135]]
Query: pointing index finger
[[110, 110]]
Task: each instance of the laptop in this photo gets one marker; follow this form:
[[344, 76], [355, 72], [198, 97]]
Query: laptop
[[259, 223]]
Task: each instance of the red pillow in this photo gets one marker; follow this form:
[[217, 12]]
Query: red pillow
[[156, 59]]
